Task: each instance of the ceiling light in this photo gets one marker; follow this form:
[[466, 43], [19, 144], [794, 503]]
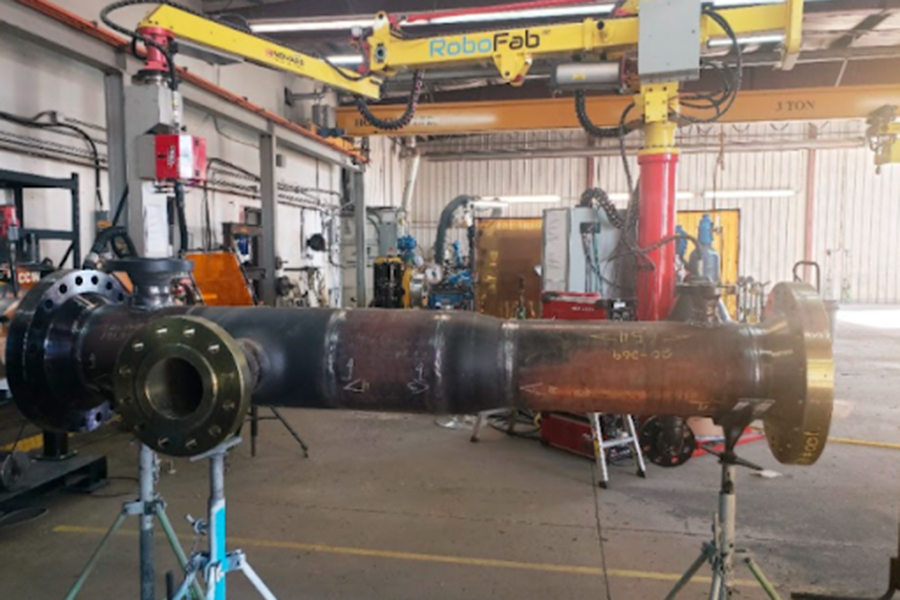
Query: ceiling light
[[523, 199], [514, 15], [348, 23], [743, 194], [747, 40], [624, 196], [345, 59], [310, 25], [488, 204]]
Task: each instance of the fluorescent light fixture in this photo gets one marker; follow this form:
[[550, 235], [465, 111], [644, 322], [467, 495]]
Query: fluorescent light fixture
[[747, 40], [488, 204], [623, 196], [523, 199], [517, 15], [311, 25], [348, 23], [344, 60], [743, 194]]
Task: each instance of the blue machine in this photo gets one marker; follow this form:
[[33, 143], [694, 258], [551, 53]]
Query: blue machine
[[456, 291], [407, 247]]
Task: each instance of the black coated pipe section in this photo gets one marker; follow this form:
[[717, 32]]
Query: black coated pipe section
[[456, 362], [75, 355]]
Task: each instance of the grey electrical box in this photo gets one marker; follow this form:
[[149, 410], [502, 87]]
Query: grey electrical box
[[382, 232], [669, 40], [579, 244]]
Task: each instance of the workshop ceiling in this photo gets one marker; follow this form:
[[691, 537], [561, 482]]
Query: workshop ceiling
[[836, 32]]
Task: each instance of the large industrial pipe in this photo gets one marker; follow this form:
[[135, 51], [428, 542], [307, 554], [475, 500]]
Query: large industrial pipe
[[183, 377]]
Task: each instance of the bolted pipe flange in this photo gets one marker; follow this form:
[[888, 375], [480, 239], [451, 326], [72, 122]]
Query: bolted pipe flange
[[182, 384], [43, 367], [802, 374]]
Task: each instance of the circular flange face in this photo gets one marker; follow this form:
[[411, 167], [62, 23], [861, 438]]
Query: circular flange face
[[42, 362], [182, 384], [803, 371]]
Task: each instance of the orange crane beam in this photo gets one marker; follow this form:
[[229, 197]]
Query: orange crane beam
[[447, 118]]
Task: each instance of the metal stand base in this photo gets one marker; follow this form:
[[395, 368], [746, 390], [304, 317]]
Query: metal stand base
[[148, 506], [276, 416], [214, 564], [721, 553]]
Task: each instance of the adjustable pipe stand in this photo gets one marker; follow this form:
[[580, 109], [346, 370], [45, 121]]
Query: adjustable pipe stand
[[148, 506], [721, 553], [216, 563]]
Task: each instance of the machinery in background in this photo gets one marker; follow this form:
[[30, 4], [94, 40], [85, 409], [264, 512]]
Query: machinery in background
[[450, 279], [580, 275], [884, 136], [704, 261], [389, 274], [22, 263], [398, 282], [382, 241], [244, 240], [751, 299], [452, 285]]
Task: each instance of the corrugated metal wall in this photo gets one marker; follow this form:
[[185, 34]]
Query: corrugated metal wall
[[857, 227], [856, 224], [385, 173]]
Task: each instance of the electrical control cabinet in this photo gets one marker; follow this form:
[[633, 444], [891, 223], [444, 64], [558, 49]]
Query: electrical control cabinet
[[578, 246]]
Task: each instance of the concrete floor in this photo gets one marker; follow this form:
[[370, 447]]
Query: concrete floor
[[392, 507]]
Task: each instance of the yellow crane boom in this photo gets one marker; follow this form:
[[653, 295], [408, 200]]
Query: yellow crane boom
[[227, 40]]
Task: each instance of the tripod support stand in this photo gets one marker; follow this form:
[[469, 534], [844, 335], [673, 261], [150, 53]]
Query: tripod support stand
[[214, 564], [721, 553], [149, 507]]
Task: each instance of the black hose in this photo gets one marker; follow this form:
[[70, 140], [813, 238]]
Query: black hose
[[588, 125], [403, 120], [596, 197], [182, 219], [722, 100], [444, 223], [118, 240], [168, 52], [120, 209]]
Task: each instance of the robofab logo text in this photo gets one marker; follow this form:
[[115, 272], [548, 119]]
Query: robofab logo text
[[467, 46]]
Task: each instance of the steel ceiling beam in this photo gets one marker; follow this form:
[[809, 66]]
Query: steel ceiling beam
[[454, 118]]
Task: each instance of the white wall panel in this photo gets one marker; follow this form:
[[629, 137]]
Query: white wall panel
[[857, 227], [385, 173]]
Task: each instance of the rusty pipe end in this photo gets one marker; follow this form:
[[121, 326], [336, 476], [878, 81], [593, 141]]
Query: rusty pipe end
[[183, 385]]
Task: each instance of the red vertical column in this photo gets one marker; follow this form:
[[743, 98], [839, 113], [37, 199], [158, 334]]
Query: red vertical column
[[656, 274]]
